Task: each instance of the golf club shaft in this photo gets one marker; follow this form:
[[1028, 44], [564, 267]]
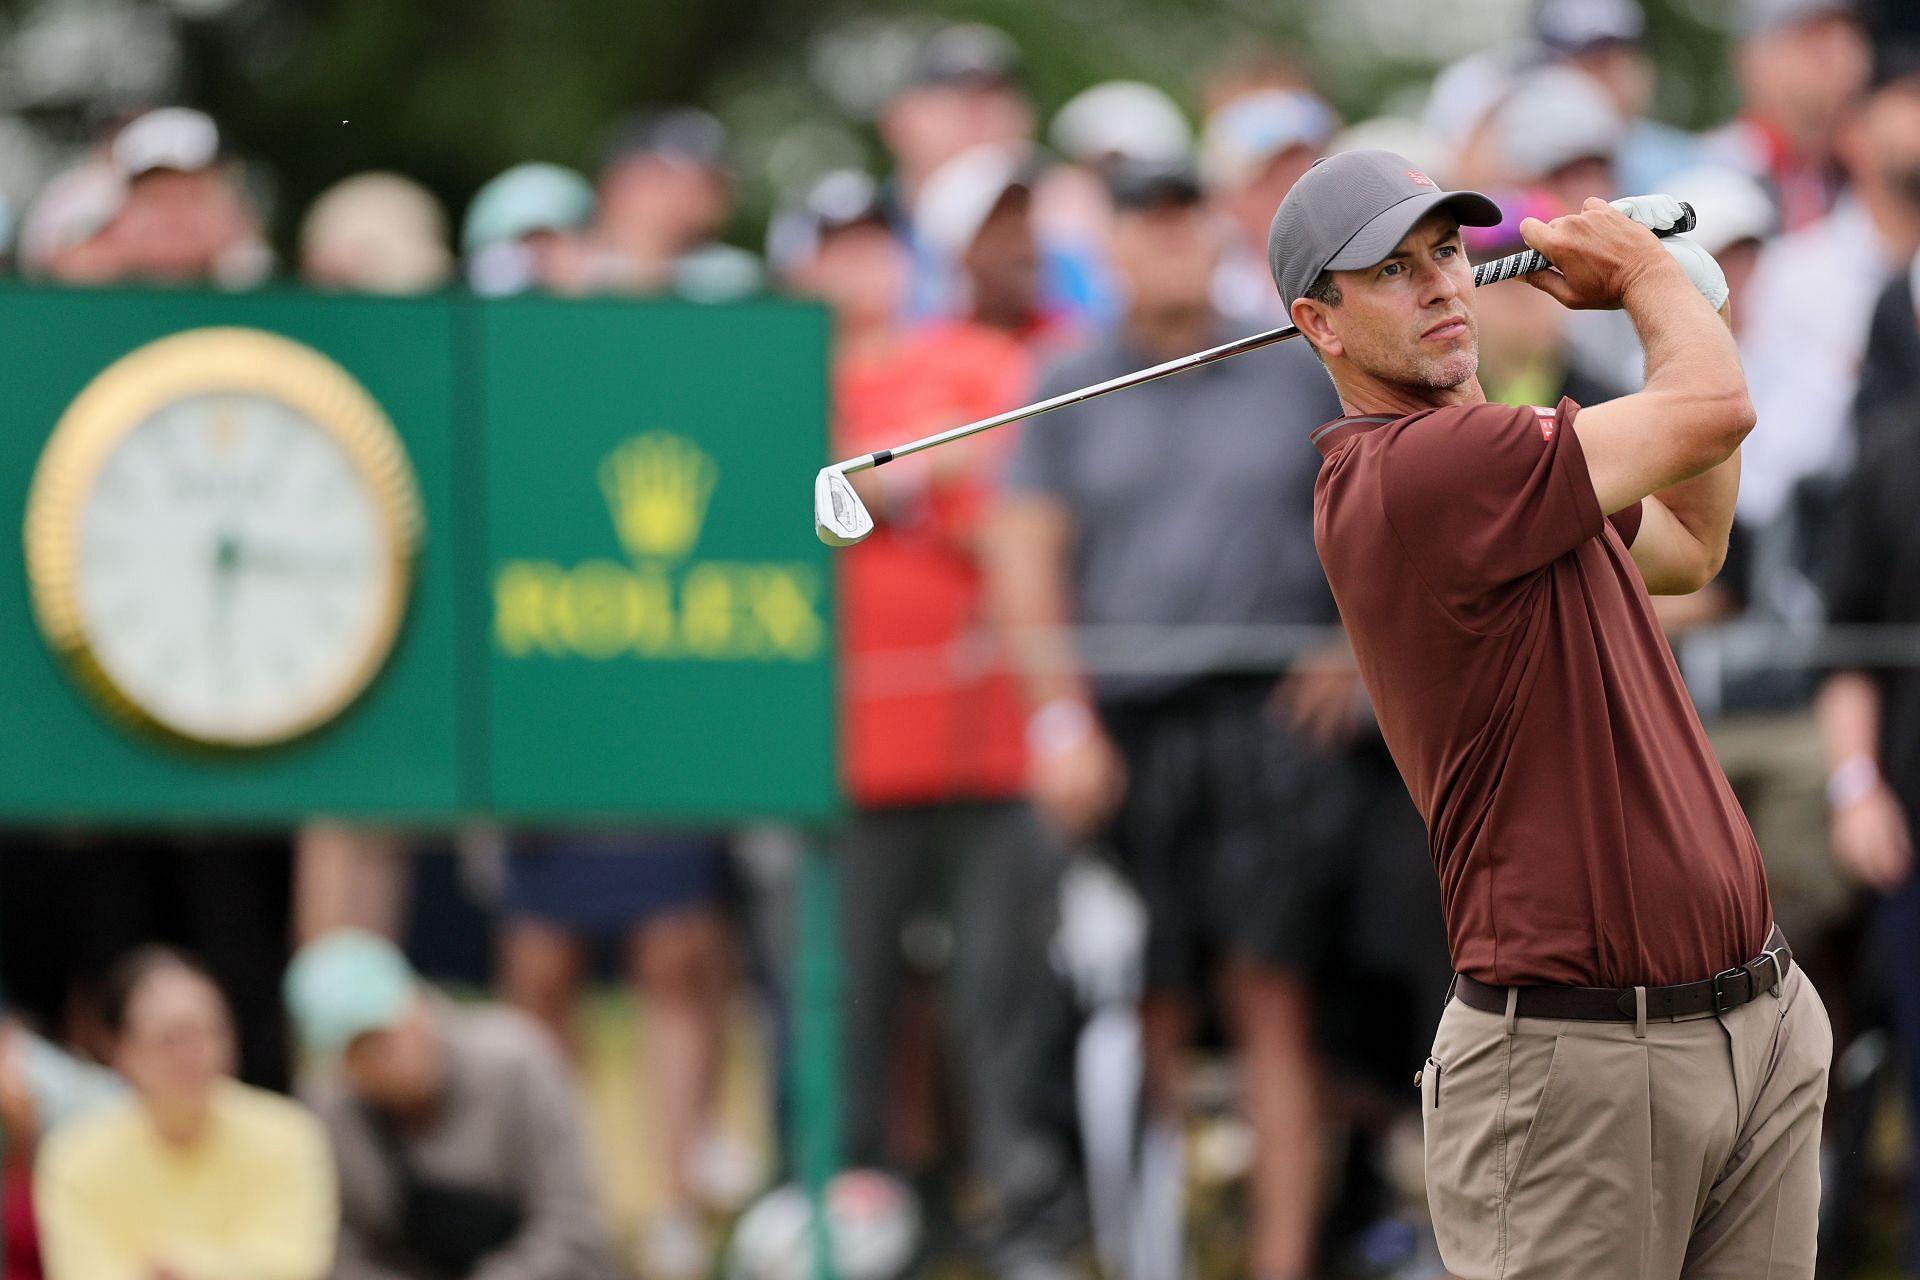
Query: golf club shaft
[[1507, 268]]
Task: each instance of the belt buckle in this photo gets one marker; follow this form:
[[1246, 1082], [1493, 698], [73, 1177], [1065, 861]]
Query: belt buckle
[[1721, 1005]]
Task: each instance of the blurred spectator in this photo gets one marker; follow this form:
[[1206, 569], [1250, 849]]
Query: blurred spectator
[[68, 234], [41, 1088], [1218, 815], [1251, 67], [963, 91], [1121, 120], [1253, 151], [525, 230], [196, 1175], [454, 1129], [664, 199], [1606, 40], [836, 246], [1813, 294], [1461, 109], [1118, 120], [976, 217], [664, 902], [1802, 65], [376, 233], [1557, 129], [944, 872], [185, 219], [1870, 718], [963, 94]]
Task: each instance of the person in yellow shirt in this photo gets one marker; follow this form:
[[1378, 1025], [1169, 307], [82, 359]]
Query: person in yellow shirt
[[195, 1176]]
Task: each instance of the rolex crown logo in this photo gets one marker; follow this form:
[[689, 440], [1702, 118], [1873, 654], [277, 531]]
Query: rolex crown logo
[[657, 486]]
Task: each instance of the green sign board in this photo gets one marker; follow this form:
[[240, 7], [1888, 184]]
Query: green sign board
[[615, 610], [659, 630]]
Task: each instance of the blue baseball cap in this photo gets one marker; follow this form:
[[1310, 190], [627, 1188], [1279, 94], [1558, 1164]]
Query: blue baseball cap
[[344, 985]]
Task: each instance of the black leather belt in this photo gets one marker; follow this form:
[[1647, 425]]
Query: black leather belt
[[1722, 993]]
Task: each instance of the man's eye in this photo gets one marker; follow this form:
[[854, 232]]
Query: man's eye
[[1446, 251], [1392, 268]]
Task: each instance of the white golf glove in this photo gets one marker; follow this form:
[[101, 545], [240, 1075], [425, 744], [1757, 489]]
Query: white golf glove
[[1657, 213]]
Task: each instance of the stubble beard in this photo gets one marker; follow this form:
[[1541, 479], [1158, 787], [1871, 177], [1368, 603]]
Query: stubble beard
[[1437, 372]]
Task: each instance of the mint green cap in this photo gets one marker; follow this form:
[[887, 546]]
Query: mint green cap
[[343, 985]]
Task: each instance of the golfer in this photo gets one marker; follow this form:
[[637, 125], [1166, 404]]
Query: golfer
[[1628, 1078]]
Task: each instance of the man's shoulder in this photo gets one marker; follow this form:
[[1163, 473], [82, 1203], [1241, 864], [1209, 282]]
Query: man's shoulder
[[101, 1134], [498, 1036], [1097, 357], [265, 1113]]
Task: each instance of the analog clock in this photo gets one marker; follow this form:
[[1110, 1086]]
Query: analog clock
[[220, 537]]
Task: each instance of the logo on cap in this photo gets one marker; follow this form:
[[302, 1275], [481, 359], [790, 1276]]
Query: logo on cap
[[1419, 177]]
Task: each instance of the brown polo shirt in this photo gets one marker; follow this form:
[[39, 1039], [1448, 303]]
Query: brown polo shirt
[[1583, 831]]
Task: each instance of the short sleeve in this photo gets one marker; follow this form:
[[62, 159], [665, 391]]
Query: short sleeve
[[1042, 455], [1483, 495], [1626, 522]]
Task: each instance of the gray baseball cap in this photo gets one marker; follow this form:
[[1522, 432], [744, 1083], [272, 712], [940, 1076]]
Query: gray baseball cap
[[1349, 211]]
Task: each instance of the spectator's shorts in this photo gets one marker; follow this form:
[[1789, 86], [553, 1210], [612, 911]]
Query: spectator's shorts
[[604, 884], [1239, 836]]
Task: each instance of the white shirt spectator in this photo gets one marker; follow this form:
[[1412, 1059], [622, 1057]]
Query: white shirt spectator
[[1810, 302]]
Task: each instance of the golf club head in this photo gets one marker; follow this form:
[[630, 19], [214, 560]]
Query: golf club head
[[839, 517]]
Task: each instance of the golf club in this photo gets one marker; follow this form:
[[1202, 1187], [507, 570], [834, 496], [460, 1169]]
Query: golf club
[[841, 519]]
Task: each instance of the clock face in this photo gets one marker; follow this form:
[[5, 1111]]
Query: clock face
[[226, 560]]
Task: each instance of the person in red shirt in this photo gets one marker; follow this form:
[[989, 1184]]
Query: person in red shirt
[[1629, 1077], [945, 871]]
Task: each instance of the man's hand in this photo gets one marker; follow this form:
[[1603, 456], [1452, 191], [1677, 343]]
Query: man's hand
[[1871, 840], [1319, 698], [1077, 786], [1598, 255]]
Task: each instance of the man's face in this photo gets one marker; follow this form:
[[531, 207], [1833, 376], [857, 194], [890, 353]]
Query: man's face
[[398, 1069], [859, 271], [175, 226], [1886, 143], [927, 126], [1815, 70], [177, 1044], [1409, 320], [1165, 256], [663, 199], [1003, 262]]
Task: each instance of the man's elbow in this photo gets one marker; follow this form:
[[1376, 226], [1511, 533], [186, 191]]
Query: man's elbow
[[1712, 431], [1732, 418]]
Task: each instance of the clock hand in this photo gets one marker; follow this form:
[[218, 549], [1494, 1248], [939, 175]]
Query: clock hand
[[226, 564]]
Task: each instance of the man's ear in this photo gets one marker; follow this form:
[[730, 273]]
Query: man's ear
[[1316, 326]]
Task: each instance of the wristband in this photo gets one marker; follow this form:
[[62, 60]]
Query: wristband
[[1852, 781], [1061, 725]]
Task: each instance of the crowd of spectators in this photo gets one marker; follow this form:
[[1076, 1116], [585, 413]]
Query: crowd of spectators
[[1117, 811]]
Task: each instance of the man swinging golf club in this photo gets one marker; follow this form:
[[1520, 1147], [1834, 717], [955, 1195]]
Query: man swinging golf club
[[1627, 1081]]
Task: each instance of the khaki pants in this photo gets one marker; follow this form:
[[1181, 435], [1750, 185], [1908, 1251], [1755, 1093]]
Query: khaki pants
[[1558, 1150]]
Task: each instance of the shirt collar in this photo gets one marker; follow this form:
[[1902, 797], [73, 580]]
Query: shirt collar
[[1327, 436]]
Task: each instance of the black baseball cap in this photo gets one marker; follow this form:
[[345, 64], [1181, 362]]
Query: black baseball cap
[[1349, 210], [1137, 184], [687, 134], [970, 54]]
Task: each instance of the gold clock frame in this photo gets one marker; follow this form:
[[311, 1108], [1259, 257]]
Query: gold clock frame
[[125, 395]]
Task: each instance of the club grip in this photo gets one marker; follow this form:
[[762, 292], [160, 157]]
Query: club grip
[[1525, 264]]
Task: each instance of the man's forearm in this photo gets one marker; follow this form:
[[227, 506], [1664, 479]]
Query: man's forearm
[[1848, 709], [1026, 549], [1704, 504]]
